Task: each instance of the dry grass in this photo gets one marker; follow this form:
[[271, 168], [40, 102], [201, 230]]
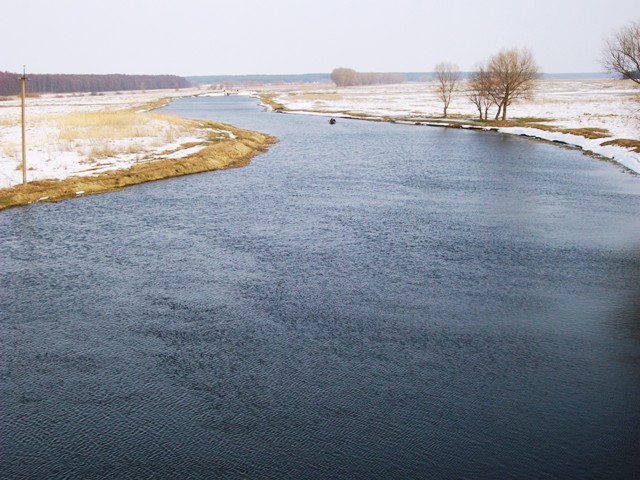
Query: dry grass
[[219, 154], [101, 134], [268, 99], [9, 149], [625, 142], [10, 121], [532, 119], [116, 124], [316, 96], [147, 107], [591, 133]]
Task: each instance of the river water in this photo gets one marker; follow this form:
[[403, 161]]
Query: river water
[[364, 301]]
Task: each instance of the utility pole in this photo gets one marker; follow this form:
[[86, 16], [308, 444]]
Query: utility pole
[[23, 83]]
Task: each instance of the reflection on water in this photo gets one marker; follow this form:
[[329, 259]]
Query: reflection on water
[[364, 301]]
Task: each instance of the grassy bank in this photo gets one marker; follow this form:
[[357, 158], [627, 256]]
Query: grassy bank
[[218, 152], [464, 121]]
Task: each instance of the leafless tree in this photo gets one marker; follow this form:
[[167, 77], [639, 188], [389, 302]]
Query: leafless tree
[[480, 88], [447, 78], [347, 77], [621, 53], [344, 77], [514, 72]]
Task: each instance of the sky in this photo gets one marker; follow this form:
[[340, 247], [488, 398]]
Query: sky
[[214, 37]]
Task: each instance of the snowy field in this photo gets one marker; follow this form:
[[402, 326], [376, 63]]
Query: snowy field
[[84, 134], [567, 104]]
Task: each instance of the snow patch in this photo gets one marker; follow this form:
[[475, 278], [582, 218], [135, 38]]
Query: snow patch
[[622, 155], [567, 104], [185, 152], [49, 157]]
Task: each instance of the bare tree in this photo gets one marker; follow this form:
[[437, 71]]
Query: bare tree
[[347, 77], [447, 77], [480, 90], [344, 77], [621, 53], [514, 72]]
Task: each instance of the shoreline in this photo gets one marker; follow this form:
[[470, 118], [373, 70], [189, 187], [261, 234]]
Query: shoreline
[[84, 144], [213, 154], [570, 114], [576, 142], [218, 146]]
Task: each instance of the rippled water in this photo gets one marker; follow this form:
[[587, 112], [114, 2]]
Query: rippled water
[[364, 301]]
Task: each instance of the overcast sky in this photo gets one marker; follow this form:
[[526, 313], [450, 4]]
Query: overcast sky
[[198, 37]]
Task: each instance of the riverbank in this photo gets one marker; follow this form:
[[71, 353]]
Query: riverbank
[[600, 117], [90, 143], [216, 154], [80, 145]]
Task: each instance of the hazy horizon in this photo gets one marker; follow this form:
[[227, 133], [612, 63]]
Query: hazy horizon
[[278, 37], [286, 74]]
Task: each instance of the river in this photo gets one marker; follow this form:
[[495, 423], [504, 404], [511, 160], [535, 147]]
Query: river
[[363, 301]]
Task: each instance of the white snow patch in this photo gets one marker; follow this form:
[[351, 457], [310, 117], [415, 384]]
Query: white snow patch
[[185, 152], [570, 104], [622, 155], [49, 157]]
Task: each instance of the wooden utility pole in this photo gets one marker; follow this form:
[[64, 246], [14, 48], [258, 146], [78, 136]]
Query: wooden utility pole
[[23, 83]]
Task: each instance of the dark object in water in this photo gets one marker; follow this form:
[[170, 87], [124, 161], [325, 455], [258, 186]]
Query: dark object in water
[[332, 121]]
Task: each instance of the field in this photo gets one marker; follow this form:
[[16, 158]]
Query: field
[[84, 135], [82, 144], [599, 116]]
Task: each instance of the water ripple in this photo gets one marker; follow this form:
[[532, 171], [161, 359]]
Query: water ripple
[[367, 301]]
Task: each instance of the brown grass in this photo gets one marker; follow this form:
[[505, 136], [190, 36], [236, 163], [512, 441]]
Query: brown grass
[[10, 121], [154, 105], [114, 124], [592, 133], [532, 119], [268, 99], [219, 154], [625, 142]]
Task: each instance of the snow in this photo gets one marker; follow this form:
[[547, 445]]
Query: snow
[[184, 152], [49, 156], [576, 104], [621, 155], [567, 104]]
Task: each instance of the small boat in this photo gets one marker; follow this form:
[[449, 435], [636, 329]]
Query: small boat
[[332, 121]]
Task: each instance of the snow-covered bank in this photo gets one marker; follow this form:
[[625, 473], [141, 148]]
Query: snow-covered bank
[[560, 104], [62, 143], [85, 134], [621, 155]]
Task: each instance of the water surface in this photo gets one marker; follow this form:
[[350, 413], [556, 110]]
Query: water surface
[[364, 301]]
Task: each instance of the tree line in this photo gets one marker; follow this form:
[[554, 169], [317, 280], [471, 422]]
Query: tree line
[[70, 83], [347, 77]]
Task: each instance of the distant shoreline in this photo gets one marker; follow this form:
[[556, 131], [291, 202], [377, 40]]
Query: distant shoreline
[[587, 130], [567, 140], [214, 153], [311, 78]]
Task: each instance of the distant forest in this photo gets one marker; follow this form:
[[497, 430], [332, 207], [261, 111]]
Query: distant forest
[[257, 79], [260, 79], [63, 83]]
